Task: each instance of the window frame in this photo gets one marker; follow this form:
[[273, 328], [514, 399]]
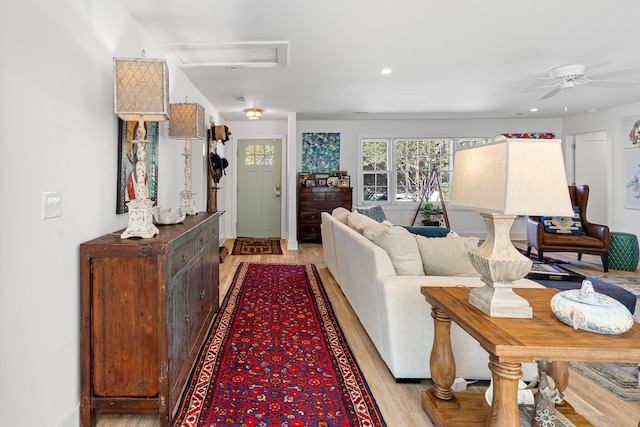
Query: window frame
[[455, 143]]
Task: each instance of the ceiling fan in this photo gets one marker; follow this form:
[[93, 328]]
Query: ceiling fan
[[569, 76]]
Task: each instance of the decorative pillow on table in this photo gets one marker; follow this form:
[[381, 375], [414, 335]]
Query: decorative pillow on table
[[400, 246], [563, 224], [447, 256], [374, 212]]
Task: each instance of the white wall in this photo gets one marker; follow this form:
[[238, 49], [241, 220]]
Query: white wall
[[610, 120], [59, 133], [462, 220]]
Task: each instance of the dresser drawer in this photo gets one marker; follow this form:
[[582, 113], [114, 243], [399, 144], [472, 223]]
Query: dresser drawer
[[309, 232], [310, 216], [180, 256]]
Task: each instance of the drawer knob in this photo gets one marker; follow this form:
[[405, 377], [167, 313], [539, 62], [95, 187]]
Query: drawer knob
[[187, 318], [184, 258]]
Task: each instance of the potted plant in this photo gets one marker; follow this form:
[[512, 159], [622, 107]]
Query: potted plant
[[431, 214]]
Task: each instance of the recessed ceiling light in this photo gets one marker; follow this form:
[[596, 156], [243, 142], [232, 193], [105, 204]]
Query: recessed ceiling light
[[533, 110], [386, 71]]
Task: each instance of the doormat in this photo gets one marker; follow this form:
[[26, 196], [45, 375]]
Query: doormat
[[620, 379], [250, 246], [276, 356]]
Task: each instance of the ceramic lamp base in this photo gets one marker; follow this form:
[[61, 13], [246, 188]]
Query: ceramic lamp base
[[140, 220], [500, 265]]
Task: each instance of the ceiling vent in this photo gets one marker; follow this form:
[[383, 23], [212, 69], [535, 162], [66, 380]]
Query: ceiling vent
[[229, 54]]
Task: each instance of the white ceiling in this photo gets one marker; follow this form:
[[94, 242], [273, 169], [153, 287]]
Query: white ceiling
[[450, 58]]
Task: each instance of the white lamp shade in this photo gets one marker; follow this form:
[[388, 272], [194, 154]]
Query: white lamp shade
[[141, 89], [512, 176], [187, 121]]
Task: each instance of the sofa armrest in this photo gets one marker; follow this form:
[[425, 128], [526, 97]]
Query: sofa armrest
[[600, 232]]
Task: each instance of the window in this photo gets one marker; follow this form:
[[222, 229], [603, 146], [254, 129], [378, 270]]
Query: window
[[259, 155], [408, 169], [375, 165]]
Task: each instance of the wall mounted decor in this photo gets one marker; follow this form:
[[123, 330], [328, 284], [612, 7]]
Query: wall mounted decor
[[531, 135], [631, 132], [127, 160], [632, 179], [320, 152]]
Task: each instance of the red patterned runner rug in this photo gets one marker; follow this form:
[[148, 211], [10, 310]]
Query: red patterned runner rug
[[276, 357]]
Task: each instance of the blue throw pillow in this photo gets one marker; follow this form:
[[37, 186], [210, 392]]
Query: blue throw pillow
[[428, 231], [374, 212], [564, 224]]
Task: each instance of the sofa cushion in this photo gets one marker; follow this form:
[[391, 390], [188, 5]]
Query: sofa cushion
[[401, 247], [359, 222], [447, 256], [427, 231], [341, 214], [374, 212], [564, 224]]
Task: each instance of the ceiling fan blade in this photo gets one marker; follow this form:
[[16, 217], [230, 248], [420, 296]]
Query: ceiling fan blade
[[550, 93], [534, 88], [610, 83]]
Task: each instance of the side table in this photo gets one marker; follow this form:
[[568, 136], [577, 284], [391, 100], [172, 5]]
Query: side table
[[509, 342], [623, 251]]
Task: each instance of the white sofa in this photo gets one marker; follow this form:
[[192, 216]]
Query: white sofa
[[390, 306]]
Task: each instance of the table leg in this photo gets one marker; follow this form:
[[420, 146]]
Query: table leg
[[442, 362], [504, 408]]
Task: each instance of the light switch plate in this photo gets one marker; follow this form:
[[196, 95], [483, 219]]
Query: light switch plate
[[51, 204]]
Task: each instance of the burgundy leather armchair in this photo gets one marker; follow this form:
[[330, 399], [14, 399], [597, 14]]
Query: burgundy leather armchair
[[595, 241]]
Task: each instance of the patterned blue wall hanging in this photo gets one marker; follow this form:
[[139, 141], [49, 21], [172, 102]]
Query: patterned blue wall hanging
[[320, 152]]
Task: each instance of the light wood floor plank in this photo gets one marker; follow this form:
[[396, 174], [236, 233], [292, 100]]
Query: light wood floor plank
[[400, 403]]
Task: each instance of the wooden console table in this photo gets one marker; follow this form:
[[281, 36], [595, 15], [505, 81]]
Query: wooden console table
[[509, 343]]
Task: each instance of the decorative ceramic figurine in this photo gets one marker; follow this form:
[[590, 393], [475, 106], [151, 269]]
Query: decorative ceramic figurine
[[168, 216], [548, 395], [591, 311]]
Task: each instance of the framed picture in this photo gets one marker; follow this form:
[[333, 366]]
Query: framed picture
[[322, 182], [631, 132], [339, 173], [344, 182], [302, 178], [127, 159], [332, 181], [322, 176], [320, 152], [310, 183], [632, 179]]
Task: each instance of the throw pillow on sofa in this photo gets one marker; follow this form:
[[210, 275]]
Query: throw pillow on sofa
[[360, 222], [447, 256], [400, 246], [341, 214], [374, 212]]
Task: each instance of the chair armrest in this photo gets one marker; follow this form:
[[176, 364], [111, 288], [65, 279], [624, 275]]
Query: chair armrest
[[599, 231], [534, 230]]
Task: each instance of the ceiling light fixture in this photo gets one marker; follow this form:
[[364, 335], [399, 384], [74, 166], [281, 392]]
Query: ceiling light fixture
[[534, 110], [385, 71], [253, 114]]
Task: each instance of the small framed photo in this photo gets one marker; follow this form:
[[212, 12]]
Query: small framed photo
[[344, 182], [302, 178], [322, 182], [322, 175], [310, 183], [340, 173]]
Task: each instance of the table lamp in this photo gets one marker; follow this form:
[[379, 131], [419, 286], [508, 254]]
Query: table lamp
[[502, 180], [187, 122], [141, 93]]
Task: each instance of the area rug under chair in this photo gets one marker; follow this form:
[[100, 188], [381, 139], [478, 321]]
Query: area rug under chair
[[251, 246], [276, 356]]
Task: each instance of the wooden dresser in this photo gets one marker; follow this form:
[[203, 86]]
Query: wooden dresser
[[146, 308], [314, 200]]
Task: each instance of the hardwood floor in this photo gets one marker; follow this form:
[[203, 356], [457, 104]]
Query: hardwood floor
[[400, 403]]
